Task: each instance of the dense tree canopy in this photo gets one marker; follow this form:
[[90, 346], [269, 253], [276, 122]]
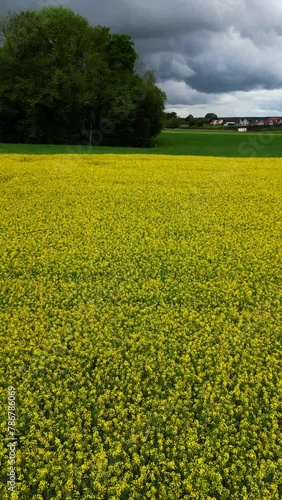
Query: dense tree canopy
[[64, 81], [211, 116], [172, 120]]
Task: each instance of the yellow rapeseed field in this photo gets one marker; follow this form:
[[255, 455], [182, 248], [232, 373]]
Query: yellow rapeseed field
[[141, 327]]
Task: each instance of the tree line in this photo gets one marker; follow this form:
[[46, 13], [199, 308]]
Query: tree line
[[172, 120], [63, 81]]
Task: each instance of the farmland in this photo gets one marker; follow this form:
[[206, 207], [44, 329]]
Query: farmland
[[140, 325], [266, 144]]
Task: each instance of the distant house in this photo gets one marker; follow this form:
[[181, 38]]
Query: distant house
[[244, 122], [230, 124], [271, 121], [217, 122]]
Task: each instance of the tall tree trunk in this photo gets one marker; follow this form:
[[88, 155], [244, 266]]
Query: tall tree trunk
[[90, 133]]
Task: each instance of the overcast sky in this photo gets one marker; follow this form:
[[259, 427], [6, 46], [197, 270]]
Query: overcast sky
[[222, 56]]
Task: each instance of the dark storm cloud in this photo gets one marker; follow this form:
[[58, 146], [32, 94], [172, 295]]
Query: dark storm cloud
[[202, 48]]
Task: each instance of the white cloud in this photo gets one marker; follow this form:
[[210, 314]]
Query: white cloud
[[253, 103]]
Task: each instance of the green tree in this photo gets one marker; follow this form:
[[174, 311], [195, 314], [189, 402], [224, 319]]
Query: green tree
[[121, 52], [190, 120], [211, 116], [150, 107], [172, 120], [61, 78], [54, 84]]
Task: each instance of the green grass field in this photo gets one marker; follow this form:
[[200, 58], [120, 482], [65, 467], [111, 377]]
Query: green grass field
[[196, 143]]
